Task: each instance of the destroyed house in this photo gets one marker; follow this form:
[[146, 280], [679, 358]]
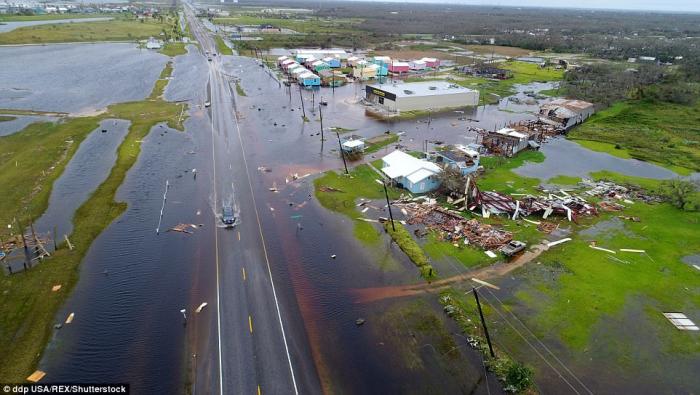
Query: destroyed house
[[566, 113], [411, 173], [464, 160], [487, 72], [505, 141]]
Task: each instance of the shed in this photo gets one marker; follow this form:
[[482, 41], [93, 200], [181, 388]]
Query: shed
[[399, 67], [354, 146], [409, 172]]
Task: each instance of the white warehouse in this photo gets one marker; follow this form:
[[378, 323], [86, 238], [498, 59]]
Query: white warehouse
[[428, 95]]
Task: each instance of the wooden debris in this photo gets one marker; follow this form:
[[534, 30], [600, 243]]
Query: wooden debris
[[56, 287], [183, 228], [36, 376], [201, 306], [482, 282], [324, 188], [70, 317], [553, 243]]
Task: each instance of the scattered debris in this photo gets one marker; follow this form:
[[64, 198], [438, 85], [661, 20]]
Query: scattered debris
[[333, 256], [601, 249], [482, 282], [359, 321], [201, 306], [490, 254], [328, 189], [55, 288], [681, 321], [553, 243], [631, 250], [183, 228], [70, 318], [36, 376], [547, 227]]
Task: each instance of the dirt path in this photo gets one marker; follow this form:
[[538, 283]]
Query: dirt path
[[367, 295]]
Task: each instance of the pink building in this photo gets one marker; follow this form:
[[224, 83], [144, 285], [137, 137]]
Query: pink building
[[399, 67], [433, 63]]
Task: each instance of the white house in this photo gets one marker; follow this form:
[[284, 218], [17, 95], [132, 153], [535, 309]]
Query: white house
[[409, 172]]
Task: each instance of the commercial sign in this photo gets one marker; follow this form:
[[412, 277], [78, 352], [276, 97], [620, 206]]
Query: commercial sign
[[374, 91]]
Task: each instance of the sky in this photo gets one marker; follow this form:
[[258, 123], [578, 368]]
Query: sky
[[682, 6]]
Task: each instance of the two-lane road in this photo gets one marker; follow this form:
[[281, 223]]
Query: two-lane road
[[252, 352]]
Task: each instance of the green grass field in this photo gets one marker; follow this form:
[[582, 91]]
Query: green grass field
[[499, 177], [359, 184], [221, 46], [309, 26], [51, 17], [174, 49], [29, 305], [664, 133], [116, 30]]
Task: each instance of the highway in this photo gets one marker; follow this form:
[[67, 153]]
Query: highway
[[250, 350]]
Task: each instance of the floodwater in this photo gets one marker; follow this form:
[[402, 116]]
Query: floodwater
[[133, 282], [87, 169], [20, 122], [76, 78], [9, 26], [565, 157]]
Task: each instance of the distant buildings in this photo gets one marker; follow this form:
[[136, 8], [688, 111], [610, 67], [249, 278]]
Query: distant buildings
[[428, 95]]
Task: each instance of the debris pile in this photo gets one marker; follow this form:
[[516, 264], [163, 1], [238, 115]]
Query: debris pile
[[609, 191], [183, 228], [453, 227]]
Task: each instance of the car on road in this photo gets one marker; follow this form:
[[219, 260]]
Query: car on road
[[513, 247], [227, 216]]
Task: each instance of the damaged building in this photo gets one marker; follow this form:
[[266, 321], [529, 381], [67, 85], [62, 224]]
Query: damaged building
[[566, 113]]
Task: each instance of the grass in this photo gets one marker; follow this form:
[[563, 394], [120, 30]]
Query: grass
[[374, 144], [594, 286], [221, 46], [564, 180], [468, 256], [408, 245], [173, 49], [29, 306], [307, 26], [664, 133], [359, 184], [50, 17], [5, 118], [115, 30], [14, 111], [523, 73], [499, 177], [239, 89]]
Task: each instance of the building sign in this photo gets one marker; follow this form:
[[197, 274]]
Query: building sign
[[370, 90]]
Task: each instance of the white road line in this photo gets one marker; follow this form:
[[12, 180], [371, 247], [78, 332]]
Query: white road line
[[267, 260]]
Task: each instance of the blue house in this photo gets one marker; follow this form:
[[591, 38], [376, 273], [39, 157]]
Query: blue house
[[332, 61], [309, 79], [409, 172], [461, 158]]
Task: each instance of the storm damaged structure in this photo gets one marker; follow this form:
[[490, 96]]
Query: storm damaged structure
[[566, 113]]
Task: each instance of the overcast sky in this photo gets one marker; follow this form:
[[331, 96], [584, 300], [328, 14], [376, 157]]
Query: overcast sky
[[683, 6]]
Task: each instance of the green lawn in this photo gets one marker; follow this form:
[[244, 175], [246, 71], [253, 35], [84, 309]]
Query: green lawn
[[29, 305], [221, 46], [359, 184], [408, 245], [665, 133], [174, 49], [116, 30], [499, 177], [309, 26]]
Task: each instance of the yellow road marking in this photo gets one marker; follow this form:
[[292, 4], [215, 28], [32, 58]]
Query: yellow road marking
[[243, 270], [250, 324], [259, 393]]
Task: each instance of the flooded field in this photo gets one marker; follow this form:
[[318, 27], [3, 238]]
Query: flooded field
[[9, 26], [80, 78], [87, 169], [20, 122]]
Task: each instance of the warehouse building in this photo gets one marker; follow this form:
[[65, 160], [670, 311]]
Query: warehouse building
[[428, 95]]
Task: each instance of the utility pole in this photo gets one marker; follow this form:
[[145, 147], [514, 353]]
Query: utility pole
[[483, 322], [342, 153], [320, 114], [301, 98], [388, 204]]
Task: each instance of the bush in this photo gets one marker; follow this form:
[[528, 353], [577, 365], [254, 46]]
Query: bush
[[682, 194]]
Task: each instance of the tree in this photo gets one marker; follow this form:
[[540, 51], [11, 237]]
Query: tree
[[682, 194], [452, 180]]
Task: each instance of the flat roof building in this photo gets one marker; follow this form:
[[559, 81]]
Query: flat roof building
[[428, 95]]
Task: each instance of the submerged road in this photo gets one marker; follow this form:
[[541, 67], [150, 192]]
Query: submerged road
[[252, 353]]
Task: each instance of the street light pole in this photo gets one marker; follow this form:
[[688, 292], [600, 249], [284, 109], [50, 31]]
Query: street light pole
[[342, 153], [388, 204]]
